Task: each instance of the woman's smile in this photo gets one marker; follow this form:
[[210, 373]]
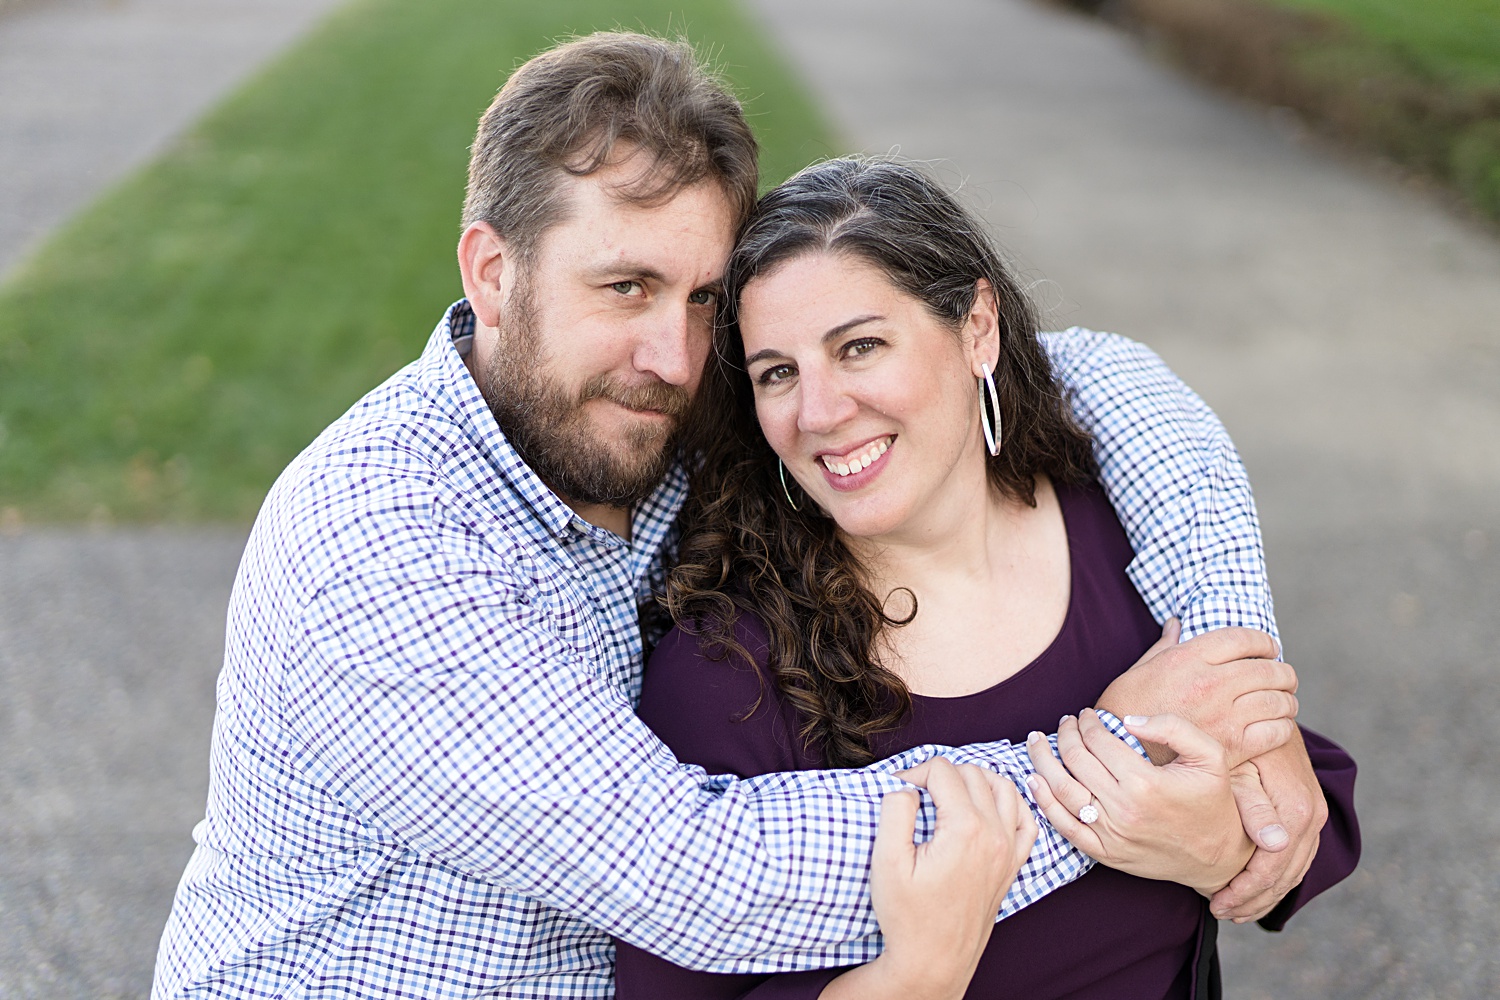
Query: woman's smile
[[853, 469]]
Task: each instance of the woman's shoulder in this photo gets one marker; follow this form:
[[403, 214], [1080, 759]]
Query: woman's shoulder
[[718, 706]]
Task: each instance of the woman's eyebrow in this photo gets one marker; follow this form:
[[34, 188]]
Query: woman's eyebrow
[[842, 328]]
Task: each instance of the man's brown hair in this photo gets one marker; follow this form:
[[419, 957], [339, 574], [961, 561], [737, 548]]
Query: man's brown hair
[[571, 109]]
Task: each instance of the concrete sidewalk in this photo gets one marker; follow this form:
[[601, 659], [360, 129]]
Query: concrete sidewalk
[[1346, 330], [92, 89]]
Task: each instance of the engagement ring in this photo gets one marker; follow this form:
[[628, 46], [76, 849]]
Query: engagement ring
[[1088, 813]]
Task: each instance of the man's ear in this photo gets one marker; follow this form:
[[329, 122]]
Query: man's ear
[[981, 330], [485, 263]]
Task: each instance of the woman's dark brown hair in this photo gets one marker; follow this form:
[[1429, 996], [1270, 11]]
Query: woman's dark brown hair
[[744, 548]]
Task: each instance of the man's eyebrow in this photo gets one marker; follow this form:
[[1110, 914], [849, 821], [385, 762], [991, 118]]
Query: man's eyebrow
[[842, 328], [626, 269]]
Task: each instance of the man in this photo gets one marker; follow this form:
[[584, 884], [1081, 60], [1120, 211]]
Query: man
[[426, 776]]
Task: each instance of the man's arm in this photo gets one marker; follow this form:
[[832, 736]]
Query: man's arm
[[446, 713], [1175, 480], [1181, 493]]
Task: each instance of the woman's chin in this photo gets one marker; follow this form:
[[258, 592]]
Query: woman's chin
[[866, 521]]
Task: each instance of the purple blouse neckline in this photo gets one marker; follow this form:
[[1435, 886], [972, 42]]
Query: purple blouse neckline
[[1065, 495]]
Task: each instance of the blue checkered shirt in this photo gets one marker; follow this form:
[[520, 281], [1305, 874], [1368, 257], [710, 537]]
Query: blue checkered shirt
[[427, 779]]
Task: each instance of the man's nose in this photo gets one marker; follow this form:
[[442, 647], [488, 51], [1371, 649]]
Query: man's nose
[[670, 347], [822, 402]]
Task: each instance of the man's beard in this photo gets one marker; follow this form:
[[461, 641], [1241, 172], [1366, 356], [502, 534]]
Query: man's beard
[[546, 423]]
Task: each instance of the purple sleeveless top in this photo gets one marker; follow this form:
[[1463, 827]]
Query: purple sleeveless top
[[1109, 935]]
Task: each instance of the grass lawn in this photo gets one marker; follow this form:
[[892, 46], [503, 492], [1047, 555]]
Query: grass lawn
[[1455, 41], [168, 352], [1419, 80]]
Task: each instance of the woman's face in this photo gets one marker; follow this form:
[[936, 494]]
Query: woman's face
[[868, 399]]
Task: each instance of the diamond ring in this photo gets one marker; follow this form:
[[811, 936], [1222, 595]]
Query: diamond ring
[[1089, 813]]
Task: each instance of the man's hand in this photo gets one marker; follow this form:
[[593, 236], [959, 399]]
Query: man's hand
[[1283, 809], [1226, 682]]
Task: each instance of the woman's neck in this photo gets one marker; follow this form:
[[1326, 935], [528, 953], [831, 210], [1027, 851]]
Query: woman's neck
[[991, 581], [958, 539]]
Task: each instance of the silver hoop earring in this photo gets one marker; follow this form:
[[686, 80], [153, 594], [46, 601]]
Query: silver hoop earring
[[991, 430], [782, 470]]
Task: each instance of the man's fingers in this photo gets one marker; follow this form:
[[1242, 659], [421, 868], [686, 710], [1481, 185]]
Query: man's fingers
[[895, 850], [1266, 703], [1240, 678], [1262, 737], [1247, 896], [1268, 877], [1224, 645], [1259, 817]]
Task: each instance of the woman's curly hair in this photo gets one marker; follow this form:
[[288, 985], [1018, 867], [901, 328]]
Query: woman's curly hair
[[744, 548]]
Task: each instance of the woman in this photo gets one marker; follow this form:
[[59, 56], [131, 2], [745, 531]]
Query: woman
[[898, 572]]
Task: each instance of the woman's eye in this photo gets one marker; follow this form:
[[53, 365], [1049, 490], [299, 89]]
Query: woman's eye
[[702, 298], [627, 287], [776, 374], [862, 346]]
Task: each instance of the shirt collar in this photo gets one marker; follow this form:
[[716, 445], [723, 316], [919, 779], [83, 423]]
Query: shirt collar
[[445, 379]]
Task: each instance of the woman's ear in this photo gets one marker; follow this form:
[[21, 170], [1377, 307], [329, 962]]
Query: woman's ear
[[487, 268], [981, 333]]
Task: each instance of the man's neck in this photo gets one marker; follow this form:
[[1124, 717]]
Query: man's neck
[[616, 519]]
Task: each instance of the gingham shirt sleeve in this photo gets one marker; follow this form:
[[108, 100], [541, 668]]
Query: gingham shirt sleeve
[[1175, 480], [448, 716]]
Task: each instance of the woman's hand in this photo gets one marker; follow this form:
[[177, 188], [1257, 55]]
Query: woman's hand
[[1178, 822], [937, 901]]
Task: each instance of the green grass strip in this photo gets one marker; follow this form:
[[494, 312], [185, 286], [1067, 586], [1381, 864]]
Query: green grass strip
[[1419, 81], [1454, 41], [174, 346]]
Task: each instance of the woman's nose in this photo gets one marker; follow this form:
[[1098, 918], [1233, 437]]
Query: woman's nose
[[823, 404]]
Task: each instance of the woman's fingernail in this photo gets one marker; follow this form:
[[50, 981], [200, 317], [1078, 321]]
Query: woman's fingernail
[[1035, 735], [1031, 782], [1062, 720], [1273, 836], [1137, 720]]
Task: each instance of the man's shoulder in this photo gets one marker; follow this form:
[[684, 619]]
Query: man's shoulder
[[395, 477], [1078, 353]]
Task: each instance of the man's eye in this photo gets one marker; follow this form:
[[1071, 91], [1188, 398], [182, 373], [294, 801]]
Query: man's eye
[[627, 287], [703, 298]]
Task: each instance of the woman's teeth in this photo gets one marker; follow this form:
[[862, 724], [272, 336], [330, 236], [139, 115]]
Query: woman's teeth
[[844, 465]]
